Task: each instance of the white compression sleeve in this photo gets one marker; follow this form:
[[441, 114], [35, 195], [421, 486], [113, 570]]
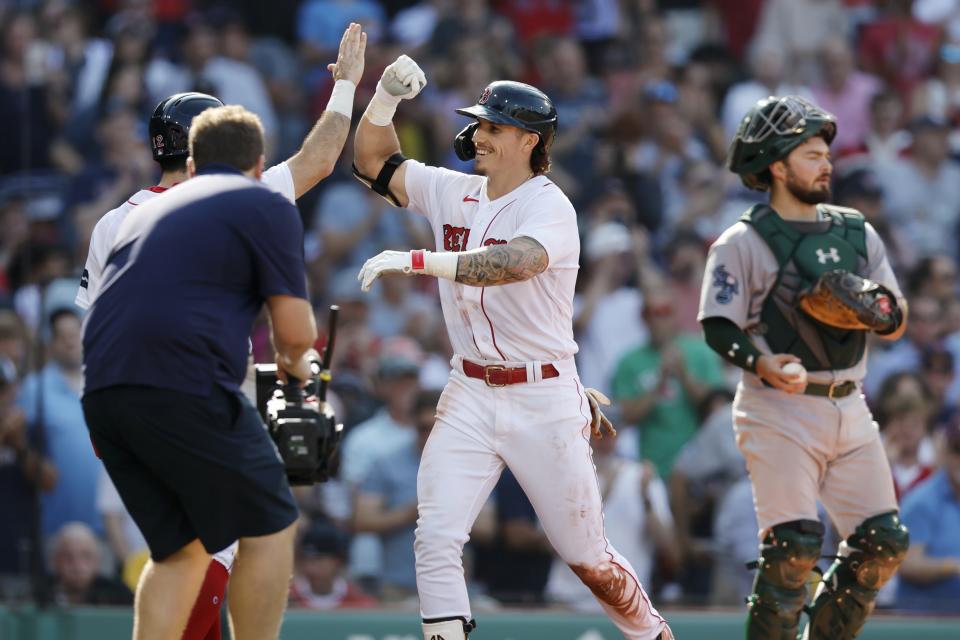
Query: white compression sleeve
[[440, 265]]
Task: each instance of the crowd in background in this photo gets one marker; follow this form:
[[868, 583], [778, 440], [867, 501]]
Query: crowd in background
[[649, 94]]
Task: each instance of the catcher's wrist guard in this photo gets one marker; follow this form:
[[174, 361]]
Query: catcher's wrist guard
[[847, 301], [729, 340]]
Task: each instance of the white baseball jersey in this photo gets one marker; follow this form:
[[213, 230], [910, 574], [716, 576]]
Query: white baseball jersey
[[540, 429], [521, 322], [277, 178]]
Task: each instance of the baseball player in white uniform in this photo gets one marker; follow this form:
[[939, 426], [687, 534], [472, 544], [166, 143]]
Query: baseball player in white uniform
[[169, 132], [507, 250], [805, 436]]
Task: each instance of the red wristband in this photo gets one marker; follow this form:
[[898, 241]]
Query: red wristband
[[417, 259]]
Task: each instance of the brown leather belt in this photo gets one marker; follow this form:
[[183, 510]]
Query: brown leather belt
[[833, 390], [496, 375]]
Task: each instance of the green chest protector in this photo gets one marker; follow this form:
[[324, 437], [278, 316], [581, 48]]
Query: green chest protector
[[802, 257]]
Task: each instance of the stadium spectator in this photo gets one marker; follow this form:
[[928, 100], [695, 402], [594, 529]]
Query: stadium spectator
[[76, 579], [581, 103], [897, 47], [930, 575], [845, 92], [905, 425], [938, 368], [924, 331], [686, 257], [860, 188], [318, 581], [607, 320], [926, 204], [24, 470], [386, 503], [663, 154], [768, 77], [886, 140], [800, 28], [939, 96], [25, 97], [50, 400], [659, 385], [391, 428], [706, 469]]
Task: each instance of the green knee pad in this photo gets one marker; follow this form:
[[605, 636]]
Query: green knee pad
[[789, 553], [845, 597]]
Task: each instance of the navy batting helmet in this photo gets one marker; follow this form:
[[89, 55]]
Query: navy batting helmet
[[170, 123], [513, 103]]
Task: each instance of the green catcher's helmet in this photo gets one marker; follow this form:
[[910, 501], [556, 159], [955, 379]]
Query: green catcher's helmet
[[770, 131]]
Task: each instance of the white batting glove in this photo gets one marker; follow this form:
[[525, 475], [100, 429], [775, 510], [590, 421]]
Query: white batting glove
[[383, 263], [403, 78], [430, 263], [598, 421]]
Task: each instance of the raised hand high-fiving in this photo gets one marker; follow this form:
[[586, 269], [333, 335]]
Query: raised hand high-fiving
[[349, 64]]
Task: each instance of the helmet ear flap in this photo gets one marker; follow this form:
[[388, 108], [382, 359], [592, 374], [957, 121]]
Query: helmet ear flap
[[463, 143]]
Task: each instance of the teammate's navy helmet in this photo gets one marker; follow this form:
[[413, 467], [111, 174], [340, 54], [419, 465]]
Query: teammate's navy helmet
[[170, 123], [519, 105]]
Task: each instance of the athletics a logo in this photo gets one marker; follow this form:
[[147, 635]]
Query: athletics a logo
[[437, 637], [833, 255]]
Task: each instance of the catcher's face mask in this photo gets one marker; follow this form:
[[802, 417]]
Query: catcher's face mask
[[770, 131]]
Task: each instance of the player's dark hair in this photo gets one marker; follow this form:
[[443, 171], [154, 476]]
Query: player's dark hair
[[228, 135], [540, 160], [173, 164]]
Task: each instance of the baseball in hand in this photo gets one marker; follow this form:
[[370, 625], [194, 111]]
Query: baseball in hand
[[795, 370]]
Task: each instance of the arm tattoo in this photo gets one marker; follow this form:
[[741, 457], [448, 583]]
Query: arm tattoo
[[520, 259]]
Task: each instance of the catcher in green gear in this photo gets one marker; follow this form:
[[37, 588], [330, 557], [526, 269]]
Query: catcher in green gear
[[790, 293]]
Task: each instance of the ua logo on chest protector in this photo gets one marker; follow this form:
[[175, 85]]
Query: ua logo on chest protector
[[833, 255]]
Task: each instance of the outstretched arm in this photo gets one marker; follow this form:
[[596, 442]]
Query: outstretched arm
[[321, 148], [520, 259]]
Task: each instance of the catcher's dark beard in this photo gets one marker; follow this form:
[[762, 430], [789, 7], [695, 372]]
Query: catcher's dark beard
[[807, 196]]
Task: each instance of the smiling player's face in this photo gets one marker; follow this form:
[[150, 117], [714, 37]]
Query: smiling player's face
[[501, 147]]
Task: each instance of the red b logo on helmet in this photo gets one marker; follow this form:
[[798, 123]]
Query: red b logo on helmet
[[484, 96]]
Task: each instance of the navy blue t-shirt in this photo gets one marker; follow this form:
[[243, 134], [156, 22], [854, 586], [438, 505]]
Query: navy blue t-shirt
[[189, 272]]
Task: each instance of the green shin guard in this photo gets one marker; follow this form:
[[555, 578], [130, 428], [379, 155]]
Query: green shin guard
[[846, 596], [789, 553]]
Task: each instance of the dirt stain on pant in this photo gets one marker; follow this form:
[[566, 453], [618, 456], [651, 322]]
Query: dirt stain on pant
[[611, 584]]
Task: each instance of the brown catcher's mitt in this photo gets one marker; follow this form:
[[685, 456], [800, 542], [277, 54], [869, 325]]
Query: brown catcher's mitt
[[843, 299]]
